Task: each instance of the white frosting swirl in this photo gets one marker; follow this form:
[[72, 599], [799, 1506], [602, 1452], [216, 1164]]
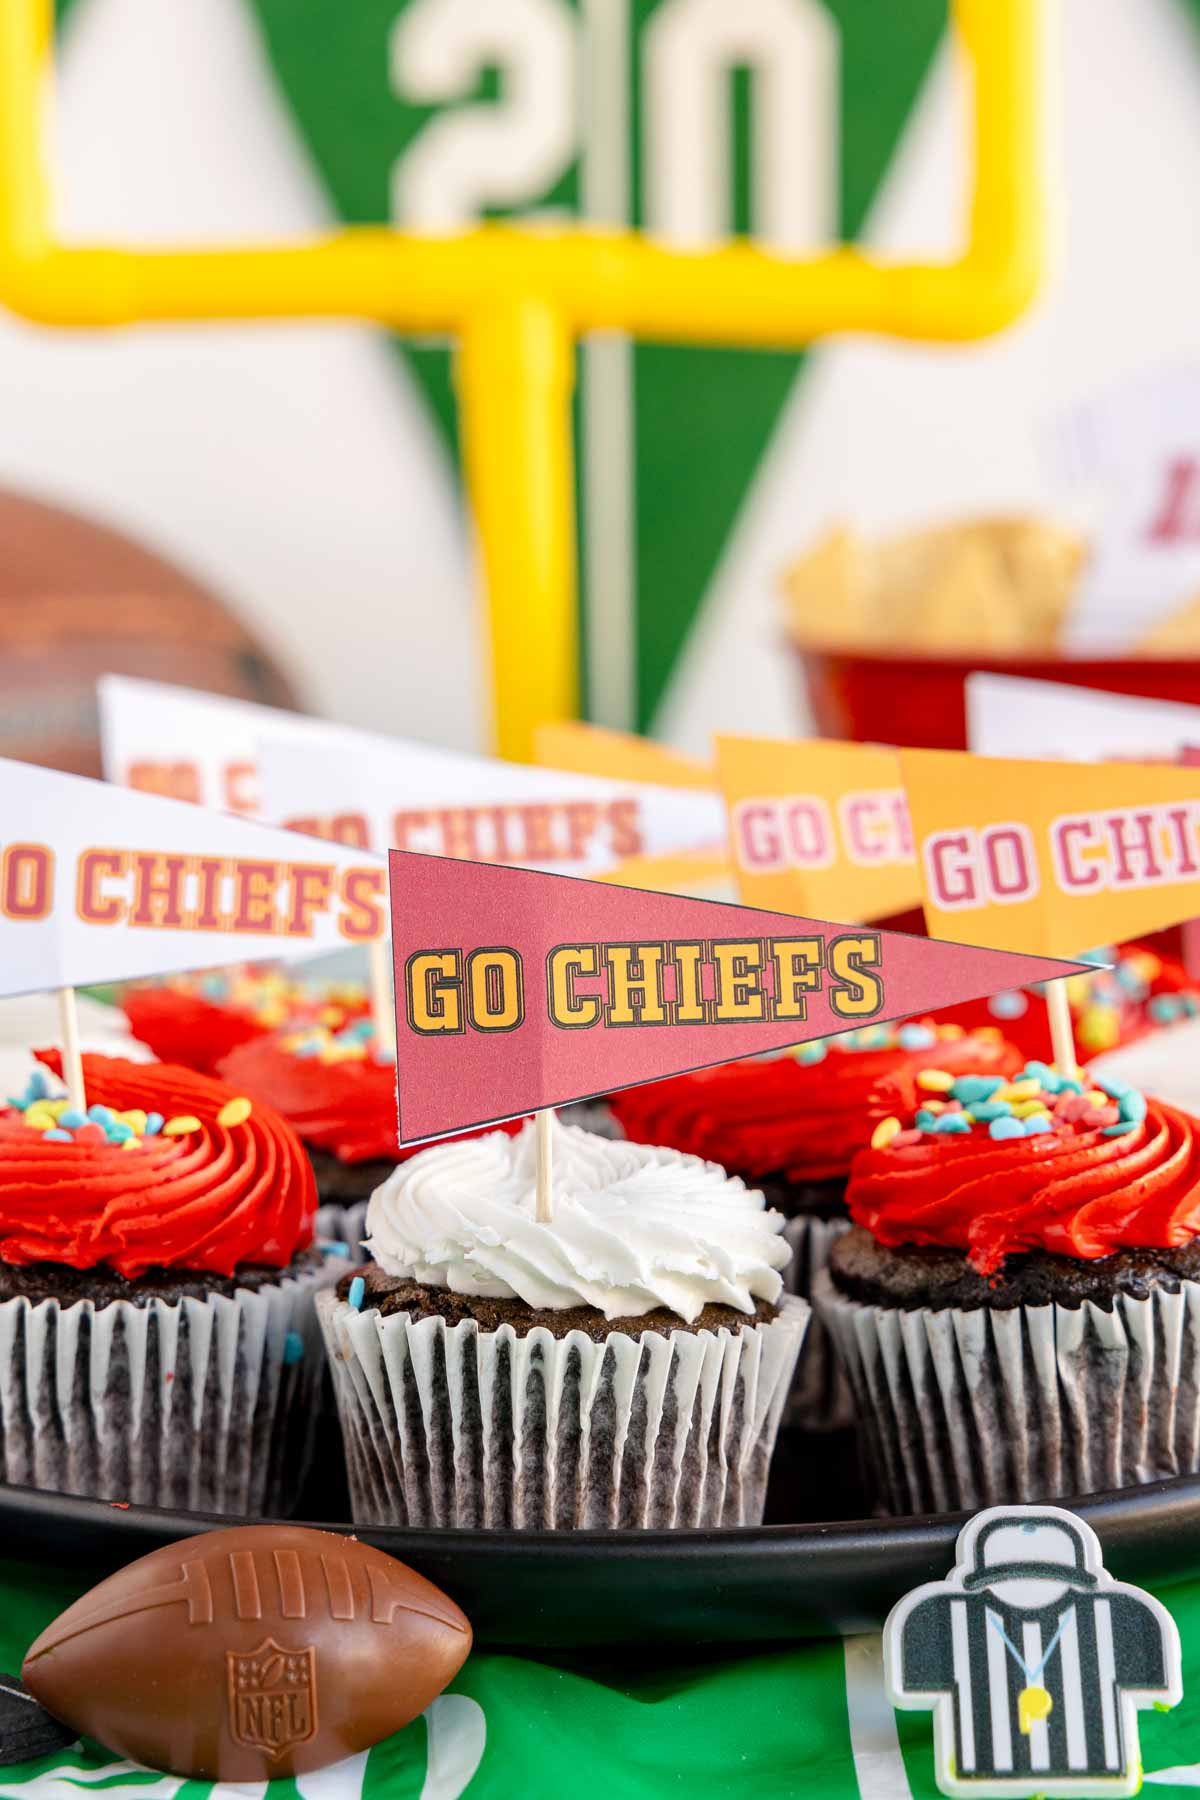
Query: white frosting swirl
[[635, 1227]]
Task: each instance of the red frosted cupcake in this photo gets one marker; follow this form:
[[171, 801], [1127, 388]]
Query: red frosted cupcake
[[791, 1125], [157, 1335], [194, 1021], [1018, 1304], [1139, 993]]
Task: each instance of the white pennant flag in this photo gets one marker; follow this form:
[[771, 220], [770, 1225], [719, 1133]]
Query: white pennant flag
[[388, 794], [105, 884]]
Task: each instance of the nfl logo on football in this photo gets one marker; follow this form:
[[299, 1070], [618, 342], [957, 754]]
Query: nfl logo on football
[[272, 1697]]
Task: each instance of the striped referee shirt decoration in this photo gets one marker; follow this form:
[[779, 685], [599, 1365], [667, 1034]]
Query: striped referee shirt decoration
[[1032, 1659]]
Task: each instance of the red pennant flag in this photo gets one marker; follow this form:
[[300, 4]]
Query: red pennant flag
[[517, 990]]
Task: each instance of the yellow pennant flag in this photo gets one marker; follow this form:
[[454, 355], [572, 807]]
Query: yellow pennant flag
[[617, 755], [818, 827], [1052, 857]]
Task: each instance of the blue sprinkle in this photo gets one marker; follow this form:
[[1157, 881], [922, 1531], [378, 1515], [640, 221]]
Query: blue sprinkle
[[1067, 1086], [951, 1124], [1132, 1106], [916, 1037], [39, 1086], [154, 1124], [332, 1247], [18, 1105], [1118, 1128], [1165, 1007], [358, 1288], [985, 1110], [814, 1052], [214, 986], [970, 1088], [1190, 1006], [58, 1137], [293, 1347], [1130, 980], [384, 1054], [1036, 1123], [103, 1115], [1011, 1005], [1103, 956], [1112, 1085], [1006, 1128], [926, 1121], [72, 1118], [118, 1131]]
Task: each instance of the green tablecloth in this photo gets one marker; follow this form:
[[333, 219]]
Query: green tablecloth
[[808, 1720]]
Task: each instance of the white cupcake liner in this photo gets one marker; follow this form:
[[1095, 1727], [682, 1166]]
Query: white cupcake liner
[[964, 1409], [451, 1425], [821, 1398], [187, 1403], [344, 1225]]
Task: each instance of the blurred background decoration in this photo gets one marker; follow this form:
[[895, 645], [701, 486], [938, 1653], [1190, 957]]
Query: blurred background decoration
[[309, 473]]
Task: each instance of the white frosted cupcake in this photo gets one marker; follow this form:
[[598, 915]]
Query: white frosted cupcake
[[625, 1365]]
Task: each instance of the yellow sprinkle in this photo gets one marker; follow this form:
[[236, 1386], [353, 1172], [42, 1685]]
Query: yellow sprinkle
[[41, 1118], [935, 1081], [235, 1111], [1098, 1028], [991, 1033], [57, 1107], [133, 1143], [1025, 1109], [934, 1106], [135, 1117], [272, 1014], [1096, 1098], [884, 1132], [1020, 1090], [951, 1032], [179, 1127]]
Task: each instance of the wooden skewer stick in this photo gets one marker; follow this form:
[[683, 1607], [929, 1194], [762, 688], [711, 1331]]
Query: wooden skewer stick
[[1062, 1035], [383, 1005], [542, 1125], [72, 1055]]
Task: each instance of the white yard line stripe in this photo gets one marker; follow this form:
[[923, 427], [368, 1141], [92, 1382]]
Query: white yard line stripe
[[874, 1742]]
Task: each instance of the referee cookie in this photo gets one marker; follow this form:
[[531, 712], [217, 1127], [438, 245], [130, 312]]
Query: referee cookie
[[1033, 1660]]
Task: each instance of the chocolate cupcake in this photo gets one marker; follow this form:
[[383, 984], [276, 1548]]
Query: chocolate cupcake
[[1018, 1304], [623, 1366], [158, 1342], [791, 1125]]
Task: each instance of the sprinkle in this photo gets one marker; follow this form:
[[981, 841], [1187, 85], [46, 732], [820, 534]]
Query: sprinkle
[[135, 1118], [915, 1037], [39, 1085], [55, 1136], [953, 1124], [180, 1126], [1132, 1106], [970, 1088], [358, 1288], [1036, 1123], [119, 1133], [1012, 1005], [951, 1033], [1111, 1085], [154, 1124], [1024, 1109], [935, 1081], [906, 1137], [91, 1133], [57, 1107], [293, 1347], [40, 1118], [333, 1246], [72, 1118], [1006, 1128], [132, 1142], [1096, 1116], [884, 1132], [1165, 1007], [926, 1120], [1121, 1125], [986, 1110], [103, 1115], [1072, 1107], [814, 1052], [1023, 1088], [235, 1112]]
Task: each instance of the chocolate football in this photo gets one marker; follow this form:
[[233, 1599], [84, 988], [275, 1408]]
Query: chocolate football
[[249, 1653]]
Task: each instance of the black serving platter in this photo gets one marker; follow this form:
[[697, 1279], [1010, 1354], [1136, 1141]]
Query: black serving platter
[[819, 1566]]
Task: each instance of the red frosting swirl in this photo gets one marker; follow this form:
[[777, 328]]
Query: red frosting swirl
[[211, 1199], [186, 1029], [347, 1108], [779, 1116], [1073, 1190]]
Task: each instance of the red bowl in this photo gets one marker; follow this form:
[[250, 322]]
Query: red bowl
[[920, 701]]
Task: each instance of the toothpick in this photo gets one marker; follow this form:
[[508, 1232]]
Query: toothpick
[[1062, 1034], [72, 1055], [383, 1005], [542, 1125]]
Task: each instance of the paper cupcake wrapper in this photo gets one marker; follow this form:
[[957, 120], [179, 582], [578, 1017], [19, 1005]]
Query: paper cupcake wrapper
[[963, 1409], [344, 1225], [187, 1404], [821, 1398], [451, 1425]]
